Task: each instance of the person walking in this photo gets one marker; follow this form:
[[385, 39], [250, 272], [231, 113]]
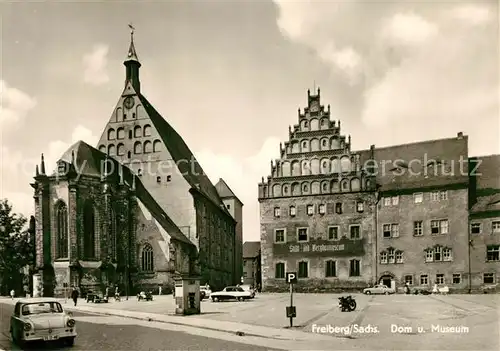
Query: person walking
[[12, 294], [159, 290], [74, 295]]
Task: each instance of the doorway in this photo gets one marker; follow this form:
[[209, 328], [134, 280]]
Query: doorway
[[386, 280]]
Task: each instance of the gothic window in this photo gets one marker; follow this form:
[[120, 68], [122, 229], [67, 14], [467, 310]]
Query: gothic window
[[156, 146], [120, 150], [137, 131], [345, 185], [148, 147], [324, 144], [111, 150], [62, 230], [325, 166], [304, 125], [102, 148], [89, 230], [286, 190], [324, 123], [113, 239], [147, 130], [306, 167], [120, 133], [325, 188], [147, 260], [305, 188], [137, 147], [111, 134], [305, 145]]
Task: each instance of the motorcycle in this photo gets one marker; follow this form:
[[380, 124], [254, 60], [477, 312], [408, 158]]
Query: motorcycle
[[347, 303]]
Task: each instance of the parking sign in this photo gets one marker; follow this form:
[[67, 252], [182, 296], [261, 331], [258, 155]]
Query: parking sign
[[291, 277]]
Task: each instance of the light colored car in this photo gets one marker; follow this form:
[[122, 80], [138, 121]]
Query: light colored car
[[231, 293], [248, 288], [41, 319], [379, 289], [205, 291]]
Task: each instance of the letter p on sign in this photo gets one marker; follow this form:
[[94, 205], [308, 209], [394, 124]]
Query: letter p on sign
[[291, 277]]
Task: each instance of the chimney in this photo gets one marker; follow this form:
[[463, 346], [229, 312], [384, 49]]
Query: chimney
[[460, 135]]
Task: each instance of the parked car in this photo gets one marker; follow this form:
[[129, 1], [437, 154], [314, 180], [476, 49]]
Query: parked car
[[248, 288], [379, 289], [145, 296], [96, 298], [205, 292], [42, 319], [231, 293]]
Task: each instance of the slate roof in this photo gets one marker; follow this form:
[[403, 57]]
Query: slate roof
[[410, 166], [488, 172], [182, 155], [487, 203], [225, 191], [88, 161], [251, 249]]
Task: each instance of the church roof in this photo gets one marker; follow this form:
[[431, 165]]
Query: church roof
[[90, 161], [182, 155], [225, 191], [251, 249]]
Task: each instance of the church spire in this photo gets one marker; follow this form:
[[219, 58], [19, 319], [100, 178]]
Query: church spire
[[132, 64]]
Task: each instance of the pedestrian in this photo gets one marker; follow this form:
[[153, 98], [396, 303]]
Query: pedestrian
[[12, 294], [159, 290], [107, 292], [74, 295]]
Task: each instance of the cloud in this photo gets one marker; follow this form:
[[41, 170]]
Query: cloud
[[14, 105], [409, 28], [242, 176], [95, 65], [473, 14], [17, 170]]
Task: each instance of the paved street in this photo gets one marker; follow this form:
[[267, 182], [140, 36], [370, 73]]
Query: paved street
[[115, 333]]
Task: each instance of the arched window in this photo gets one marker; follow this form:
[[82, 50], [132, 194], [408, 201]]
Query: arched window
[[111, 150], [111, 134], [89, 230], [156, 145], [120, 133], [148, 147], [147, 130], [113, 236], [137, 147], [120, 150], [62, 230], [137, 131], [147, 260]]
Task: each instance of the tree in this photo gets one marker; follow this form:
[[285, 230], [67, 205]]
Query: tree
[[16, 248]]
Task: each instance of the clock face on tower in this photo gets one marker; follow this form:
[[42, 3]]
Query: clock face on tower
[[129, 102]]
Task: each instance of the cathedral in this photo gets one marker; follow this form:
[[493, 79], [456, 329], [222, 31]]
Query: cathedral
[[136, 210]]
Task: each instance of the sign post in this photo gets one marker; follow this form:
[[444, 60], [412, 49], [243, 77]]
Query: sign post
[[291, 312]]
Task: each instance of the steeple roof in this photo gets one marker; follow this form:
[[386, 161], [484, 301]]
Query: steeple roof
[[132, 54]]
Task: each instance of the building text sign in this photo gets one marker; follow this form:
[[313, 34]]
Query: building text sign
[[321, 248]]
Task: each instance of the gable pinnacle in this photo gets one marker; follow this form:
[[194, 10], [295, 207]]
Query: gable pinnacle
[[132, 54]]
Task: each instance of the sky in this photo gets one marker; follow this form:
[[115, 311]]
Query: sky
[[229, 76]]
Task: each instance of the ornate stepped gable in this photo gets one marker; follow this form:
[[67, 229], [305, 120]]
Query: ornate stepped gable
[[317, 158]]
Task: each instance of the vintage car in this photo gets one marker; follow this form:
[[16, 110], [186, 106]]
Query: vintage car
[[248, 288], [41, 319], [231, 293], [379, 289], [204, 292]]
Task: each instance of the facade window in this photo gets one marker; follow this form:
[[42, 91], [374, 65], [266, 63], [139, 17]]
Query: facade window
[[228, 206], [383, 257], [333, 233], [429, 256], [279, 272], [279, 236], [322, 209], [303, 269], [310, 210], [424, 279], [391, 230], [439, 278], [330, 269], [120, 149], [148, 147], [169, 179], [399, 257], [387, 201], [457, 278], [409, 279], [438, 252], [435, 196], [360, 206], [443, 195], [418, 198], [395, 200], [489, 278], [495, 227], [338, 207], [354, 268], [355, 231], [439, 226], [156, 146], [120, 133], [391, 257], [293, 211], [137, 147], [147, 130], [89, 230], [493, 253], [158, 179], [111, 134], [302, 234], [277, 212], [62, 230], [418, 228], [137, 131], [447, 256], [147, 258], [475, 228]]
